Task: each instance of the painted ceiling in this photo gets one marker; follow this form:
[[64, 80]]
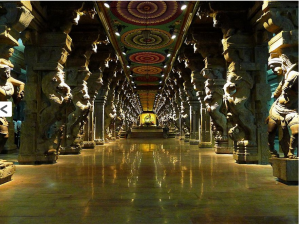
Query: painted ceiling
[[147, 35]]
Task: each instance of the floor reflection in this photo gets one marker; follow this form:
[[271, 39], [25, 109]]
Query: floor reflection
[[147, 181]]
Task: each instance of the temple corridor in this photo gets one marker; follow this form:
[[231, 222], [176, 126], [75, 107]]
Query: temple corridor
[[146, 181]]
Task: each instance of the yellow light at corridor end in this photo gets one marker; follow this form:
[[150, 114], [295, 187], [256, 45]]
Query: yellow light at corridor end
[[148, 119]]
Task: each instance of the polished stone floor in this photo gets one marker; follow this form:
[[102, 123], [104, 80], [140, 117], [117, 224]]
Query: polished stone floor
[[146, 181]]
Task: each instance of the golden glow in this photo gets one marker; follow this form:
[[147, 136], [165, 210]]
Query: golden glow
[[148, 119]]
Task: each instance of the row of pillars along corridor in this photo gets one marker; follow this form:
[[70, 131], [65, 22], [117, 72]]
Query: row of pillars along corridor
[[146, 180]]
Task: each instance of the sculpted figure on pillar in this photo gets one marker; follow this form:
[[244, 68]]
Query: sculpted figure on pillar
[[46, 53], [238, 50], [214, 100], [57, 96], [281, 20], [77, 119], [7, 90], [284, 110], [207, 42]]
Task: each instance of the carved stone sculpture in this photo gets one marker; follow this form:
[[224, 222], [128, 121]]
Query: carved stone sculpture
[[214, 103], [57, 96], [284, 110], [76, 119], [7, 84]]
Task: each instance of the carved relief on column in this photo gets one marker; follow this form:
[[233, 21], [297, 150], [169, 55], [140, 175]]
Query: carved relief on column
[[119, 111], [200, 122], [207, 42], [110, 108], [48, 94], [45, 105], [281, 19], [214, 73], [238, 51], [14, 18], [94, 83], [77, 75], [180, 69], [244, 79], [102, 97]]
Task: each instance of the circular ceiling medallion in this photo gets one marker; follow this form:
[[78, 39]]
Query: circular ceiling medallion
[[156, 39], [147, 57], [147, 70], [146, 13], [145, 79]]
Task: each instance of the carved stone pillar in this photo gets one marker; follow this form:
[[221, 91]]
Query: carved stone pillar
[[207, 41], [101, 101], [97, 64], [44, 106], [77, 75], [213, 73], [195, 121], [48, 94], [281, 20], [99, 117], [244, 79], [15, 17]]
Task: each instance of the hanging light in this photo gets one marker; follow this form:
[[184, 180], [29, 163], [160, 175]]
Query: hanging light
[[183, 5], [171, 31], [106, 4], [129, 64], [119, 30], [167, 52], [124, 51]]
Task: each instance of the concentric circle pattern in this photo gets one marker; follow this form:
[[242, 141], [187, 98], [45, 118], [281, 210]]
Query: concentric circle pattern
[[147, 70], [145, 79], [146, 13], [157, 39], [147, 57]]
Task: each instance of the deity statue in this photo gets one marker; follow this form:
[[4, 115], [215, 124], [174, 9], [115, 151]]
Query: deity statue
[[284, 110], [147, 119], [7, 90]]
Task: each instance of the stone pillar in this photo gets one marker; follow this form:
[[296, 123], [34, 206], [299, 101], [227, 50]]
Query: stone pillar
[[48, 96], [15, 18], [281, 20], [98, 62], [77, 75], [94, 84], [243, 79], [206, 140], [99, 120], [195, 122]]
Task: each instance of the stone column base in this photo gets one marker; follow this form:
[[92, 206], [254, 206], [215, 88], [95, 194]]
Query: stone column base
[[205, 145], [221, 147], [223, 150], [245, 154], [99, 142], [37, 159], [89, 144], [194, 142], [285, 169], [9, 148], [70, 150], [7, 169]]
